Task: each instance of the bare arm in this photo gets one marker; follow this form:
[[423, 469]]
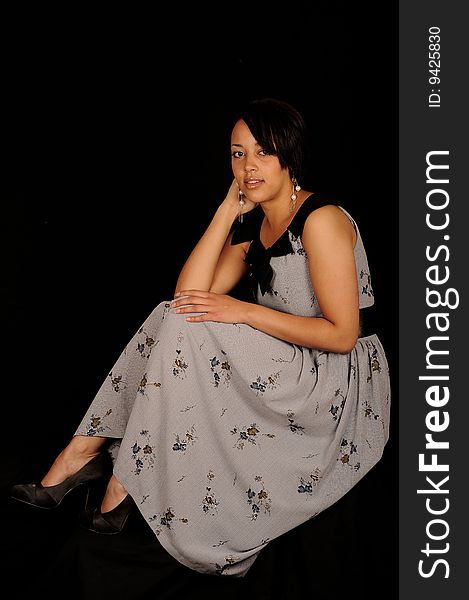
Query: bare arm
[[328, 238], [214, 264]]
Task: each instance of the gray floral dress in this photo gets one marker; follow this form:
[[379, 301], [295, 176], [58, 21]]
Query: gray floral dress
[[227, 437]]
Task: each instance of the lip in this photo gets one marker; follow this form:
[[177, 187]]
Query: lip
[[253, 183]]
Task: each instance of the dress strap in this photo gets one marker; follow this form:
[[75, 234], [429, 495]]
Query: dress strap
[[249, 229], [312, 202], [258, 257]]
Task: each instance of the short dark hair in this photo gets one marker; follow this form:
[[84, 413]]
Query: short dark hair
[[280, 129]]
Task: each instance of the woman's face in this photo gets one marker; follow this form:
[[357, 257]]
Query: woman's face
[[258, 174]]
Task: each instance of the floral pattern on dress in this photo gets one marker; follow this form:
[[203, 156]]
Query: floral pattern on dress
[[260, 385], [210, 502], [221, 370], [368, 410], [375, 365], [229, 561], [142, 453], [336, 409], [117, 382], [144, 383], [166, 310], [307, 484], [179, 365], [294, 427], [283, 298], [248, 434], [184, 441], [144, 348], [347, 450], [317, 362], [365, 280], [96, 424], [297, 245], [166, 520], [258, 499]]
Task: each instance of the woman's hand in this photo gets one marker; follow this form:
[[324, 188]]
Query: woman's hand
[[232, 198], [212, 307]]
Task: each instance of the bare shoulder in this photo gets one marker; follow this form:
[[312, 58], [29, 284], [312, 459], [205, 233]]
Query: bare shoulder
[[328, 225], [329, 221]]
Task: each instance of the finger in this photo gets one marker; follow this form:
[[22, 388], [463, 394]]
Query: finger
[[198, 293], [194, 308], [188, 301], [199, 318]]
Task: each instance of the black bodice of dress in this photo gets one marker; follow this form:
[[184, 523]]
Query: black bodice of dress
[[258, 257]]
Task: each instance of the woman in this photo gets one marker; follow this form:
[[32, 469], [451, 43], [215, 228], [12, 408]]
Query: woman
[[234, 421]]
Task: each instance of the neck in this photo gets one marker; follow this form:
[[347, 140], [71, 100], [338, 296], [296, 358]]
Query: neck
[[277, 212]]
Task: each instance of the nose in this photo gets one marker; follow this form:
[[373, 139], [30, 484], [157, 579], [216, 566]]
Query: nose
[[250, 165]]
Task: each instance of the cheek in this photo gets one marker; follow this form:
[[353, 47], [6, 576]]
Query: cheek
[[274, 171], [238, 171]]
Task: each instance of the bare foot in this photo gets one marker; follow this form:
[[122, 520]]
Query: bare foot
[[79, 451], [114, 495]]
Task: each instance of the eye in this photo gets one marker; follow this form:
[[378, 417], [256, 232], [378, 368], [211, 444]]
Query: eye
[[264, 152], [237, 154]]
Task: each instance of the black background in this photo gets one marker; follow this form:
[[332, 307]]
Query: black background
[[118, 156]]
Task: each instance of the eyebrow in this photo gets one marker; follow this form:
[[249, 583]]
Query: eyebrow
[[241, 145]]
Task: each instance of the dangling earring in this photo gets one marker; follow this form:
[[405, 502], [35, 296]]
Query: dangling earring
[[241, 204], [294, 197]]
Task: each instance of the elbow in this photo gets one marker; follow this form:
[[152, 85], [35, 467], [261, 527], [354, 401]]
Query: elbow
[[347, 336], [347, 344], [346, 348], [339, 346]]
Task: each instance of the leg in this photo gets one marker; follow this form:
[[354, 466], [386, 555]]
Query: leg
[[79, 465], [111, 516], [114, 495], [73, 457]]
